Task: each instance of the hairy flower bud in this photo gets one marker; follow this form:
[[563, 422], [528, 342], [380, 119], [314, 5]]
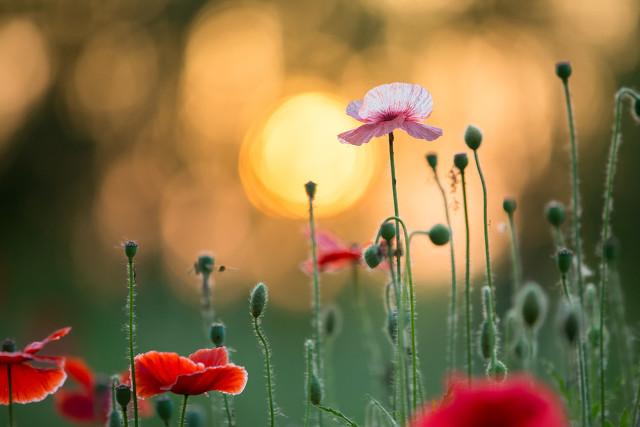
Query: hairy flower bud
[[555, 213], [372, 256], [217, 334], [432, 160], [473, 137], [123, 395], [331, 321], [564, 258], [532, 303], [563, 70], [315, 390], [439, 234], [571, 324], [461, 161], [130, 248], [497, 370], [310, 188], [388, 231], [487, 339], [509, 205], [258, 300], [164, 408]]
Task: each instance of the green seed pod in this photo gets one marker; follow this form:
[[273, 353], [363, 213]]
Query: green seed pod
[[331, 321], [217, 334], [258, 300], [392, 326], [115, 419], [372, 256], [123, 395], [593, 337], [498, 370], [130, 248], [194, 417], [563, 70], [473, 137], [571, 324], [164, 408], [310, 188], [564, 258], [611, 249], [9, 345], [388, 231], [521, 349], [461, 161], [532, 303], [487, 339], [432, 160], [555, 213], [205, 264], [439, 234], [509, 205], [315, 390]]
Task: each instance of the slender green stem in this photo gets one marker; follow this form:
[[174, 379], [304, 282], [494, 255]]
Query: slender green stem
[[467, 278], [558, 237], [399, 395], [605, 232], [10, 386], [231, 421], [516, 264], [452, 324], [486, 222], [207, 307], [623, 336], [183, 412], [338, 415], [490, 310], [636, 407], [125, 416], [131, 270], [317, 320], [308, 346], [269, 373]]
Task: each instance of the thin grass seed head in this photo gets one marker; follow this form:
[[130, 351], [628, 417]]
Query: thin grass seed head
[[564, 260], [439, 234], [258, 300], [217, 334], [164, 408], [555, 213], [130, 249], [563, 70], [461, 161], [532, 304], [509, 205], [473, 137], [432, 160]]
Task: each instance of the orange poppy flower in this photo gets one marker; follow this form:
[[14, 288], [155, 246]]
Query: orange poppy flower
[[203, 371], [31, 383]]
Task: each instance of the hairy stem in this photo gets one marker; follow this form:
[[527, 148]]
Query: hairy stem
[[183, 412], [308, 346], [346, 420], [516, 264], [316, 307], [267, 361], [467, 279], [485, 223], [131, 282]]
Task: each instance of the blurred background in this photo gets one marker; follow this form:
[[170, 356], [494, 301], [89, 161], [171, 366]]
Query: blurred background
[[192, 126]]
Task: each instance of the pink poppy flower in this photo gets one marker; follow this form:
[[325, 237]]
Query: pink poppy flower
[[388, 107], [333, 255]]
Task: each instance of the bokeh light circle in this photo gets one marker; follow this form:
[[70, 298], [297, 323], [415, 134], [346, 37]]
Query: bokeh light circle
[[297, 143]]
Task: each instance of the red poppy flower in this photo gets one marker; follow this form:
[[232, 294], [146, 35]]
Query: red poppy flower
[[90, 402], [203, 371], [333, 255], [517, 402], [31, 383]]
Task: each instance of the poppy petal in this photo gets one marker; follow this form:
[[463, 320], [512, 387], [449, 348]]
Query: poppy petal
[[211, 357], [230, 379], [78, 370], [358, 136], [76, 406], [418, 130], [157, 372], [36, 346], [411, 100], [30, 384], [353, 109]]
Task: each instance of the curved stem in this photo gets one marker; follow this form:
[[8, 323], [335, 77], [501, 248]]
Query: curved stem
[[10, 387], [338, 415], [183, 412], [267, 361], [132, 334], [467, 278], [485, 222]]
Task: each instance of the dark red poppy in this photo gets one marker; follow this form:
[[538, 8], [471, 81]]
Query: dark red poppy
[[203, 371], [31, 383], [333, 255], [517, 402], [90, 401]]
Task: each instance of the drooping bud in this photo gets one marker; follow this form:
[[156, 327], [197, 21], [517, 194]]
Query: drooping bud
[[563, 70], [372, 256], [461, 161], [164, 408], [532, 303], [555, 213], [521, 349], [497, 370], [331, 321], [123, 395], [217, 334], [130, 248], [388, 231], [564, 258], [439, 234], [611, 249], [487, 339], [473, 137], [432, 160], [205, 264], [571, 324], [194, 417], [310, 188], [315, 390], [9, 345], [509, 205], [258, 300]]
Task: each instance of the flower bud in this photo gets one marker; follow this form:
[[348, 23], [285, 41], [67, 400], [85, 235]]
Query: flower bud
[[310, 188], [258, 300], [194, 417], [461, 161], [473, 137], [372, 256], [9, 345], [611, 249], [564, 258], [432, 160], [388, 231], [571, 324], [555, 213], [217, 333], [164, 408], [439, 235], [115, 419], [532, 303], [315, 390], [521, 349], [123, 395], [563, 70], [487, 339], [205, 264], [509, 205], [130, 248], [331, 322], [497, 370]]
